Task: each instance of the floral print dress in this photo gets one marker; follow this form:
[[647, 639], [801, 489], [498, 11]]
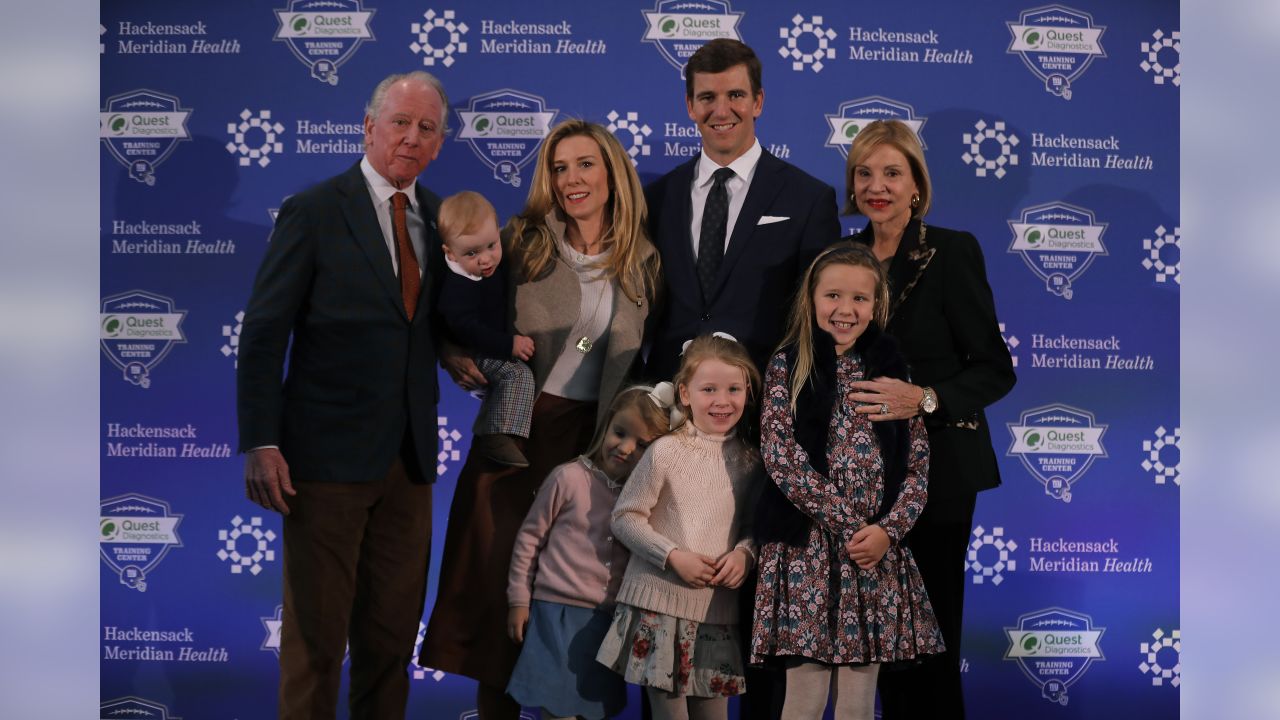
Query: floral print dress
[[812, 601]]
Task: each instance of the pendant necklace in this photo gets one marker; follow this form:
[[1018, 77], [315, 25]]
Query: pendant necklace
[[584, 344]]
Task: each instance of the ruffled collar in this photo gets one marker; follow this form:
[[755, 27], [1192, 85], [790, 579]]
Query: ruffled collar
[[598, 473]]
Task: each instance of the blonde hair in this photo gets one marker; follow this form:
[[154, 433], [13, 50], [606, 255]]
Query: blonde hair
[[655, 418], [729, 352], [634, 262], [463, 214], [800, 326], [898, 135]]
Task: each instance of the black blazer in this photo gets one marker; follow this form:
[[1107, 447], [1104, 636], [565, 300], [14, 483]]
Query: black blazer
[[944, 318], [762, 264], [360, 373]]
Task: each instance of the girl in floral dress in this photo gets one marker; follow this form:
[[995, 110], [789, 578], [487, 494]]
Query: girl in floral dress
[[838, 594], [684, 514]]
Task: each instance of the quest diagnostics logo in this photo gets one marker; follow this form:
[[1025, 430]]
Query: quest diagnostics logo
[[852, 116], [135, 533], [137, 331], [1054, 648], [324, 34], [504, 129], [1057, 44], [141, 129], [1057, 444], [1058, 242], [679, 27], [134, 707]]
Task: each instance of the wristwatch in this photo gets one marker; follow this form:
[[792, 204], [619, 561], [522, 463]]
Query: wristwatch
[[929, 403]]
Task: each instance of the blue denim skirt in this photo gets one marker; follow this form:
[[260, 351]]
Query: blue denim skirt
[[557, 669]]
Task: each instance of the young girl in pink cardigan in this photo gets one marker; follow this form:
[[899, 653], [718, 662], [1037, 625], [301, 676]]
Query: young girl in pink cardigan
[[566, 568]]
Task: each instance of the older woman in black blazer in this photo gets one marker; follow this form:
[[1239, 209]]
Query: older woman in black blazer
[[944, 318]]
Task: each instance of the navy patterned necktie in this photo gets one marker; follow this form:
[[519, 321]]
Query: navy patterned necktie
[[715, 219]]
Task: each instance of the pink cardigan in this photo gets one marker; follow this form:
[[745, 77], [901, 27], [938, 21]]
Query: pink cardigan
[[565, 551]]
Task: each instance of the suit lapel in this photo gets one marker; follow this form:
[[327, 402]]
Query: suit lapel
[[357, 207], [678, 228], [432, 255], [760, 195], [909, 263]]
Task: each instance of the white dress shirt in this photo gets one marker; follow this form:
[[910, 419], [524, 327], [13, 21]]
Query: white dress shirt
[[744, 168], [381, 191]]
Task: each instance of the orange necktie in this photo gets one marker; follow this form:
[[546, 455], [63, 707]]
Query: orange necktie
[[410, 283]]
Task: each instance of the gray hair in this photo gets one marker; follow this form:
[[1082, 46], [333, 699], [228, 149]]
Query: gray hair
[[419, 76]]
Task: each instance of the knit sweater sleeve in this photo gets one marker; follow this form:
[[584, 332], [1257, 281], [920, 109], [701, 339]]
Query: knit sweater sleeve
[[532, 536], [633, 512], [914, 492], [811, 492]]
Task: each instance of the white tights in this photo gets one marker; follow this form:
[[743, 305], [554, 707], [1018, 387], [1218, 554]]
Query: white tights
[[666, 706], [852, 690]]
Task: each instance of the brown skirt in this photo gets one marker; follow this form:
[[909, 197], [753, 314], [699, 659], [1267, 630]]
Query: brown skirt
[[467, 633]]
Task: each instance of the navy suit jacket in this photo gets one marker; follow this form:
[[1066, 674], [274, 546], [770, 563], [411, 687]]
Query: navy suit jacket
[[360, 373], [761, 267]]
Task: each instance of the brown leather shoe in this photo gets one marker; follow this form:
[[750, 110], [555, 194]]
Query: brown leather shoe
[[500, 449]]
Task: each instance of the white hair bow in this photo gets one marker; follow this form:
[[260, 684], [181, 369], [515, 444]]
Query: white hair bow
[[717, 333], [664, 396]]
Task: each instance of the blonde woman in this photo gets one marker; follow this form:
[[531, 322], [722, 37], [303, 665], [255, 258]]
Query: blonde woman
[[584, 277]]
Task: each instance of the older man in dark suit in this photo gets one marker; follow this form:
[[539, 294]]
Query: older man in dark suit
[[344, 444], [736, 226]]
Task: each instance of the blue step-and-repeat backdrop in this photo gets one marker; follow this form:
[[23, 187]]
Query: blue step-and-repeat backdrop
[[1051, 132]]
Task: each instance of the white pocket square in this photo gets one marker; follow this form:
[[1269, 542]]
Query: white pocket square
[[771, 219]]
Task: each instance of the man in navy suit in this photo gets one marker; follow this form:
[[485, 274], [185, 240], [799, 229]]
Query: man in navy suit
[[734, 242], [736, 228], [344, 445]]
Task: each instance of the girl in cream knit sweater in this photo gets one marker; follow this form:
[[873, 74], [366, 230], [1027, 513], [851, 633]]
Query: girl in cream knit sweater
[[684, 514]]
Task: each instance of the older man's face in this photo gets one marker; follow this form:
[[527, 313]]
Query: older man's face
[[407, 134]]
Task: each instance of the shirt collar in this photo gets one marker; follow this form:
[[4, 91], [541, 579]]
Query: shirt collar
[[743, 167], [382, 189], [458, 270]]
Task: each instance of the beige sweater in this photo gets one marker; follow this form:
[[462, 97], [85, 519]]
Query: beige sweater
[[692, 491]]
